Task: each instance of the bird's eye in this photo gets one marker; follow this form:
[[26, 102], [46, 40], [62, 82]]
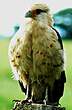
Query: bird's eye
[[38, 11]]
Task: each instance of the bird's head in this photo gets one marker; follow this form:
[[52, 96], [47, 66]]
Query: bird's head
[[40, 13]]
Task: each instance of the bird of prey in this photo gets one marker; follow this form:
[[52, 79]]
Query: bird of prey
[[36, 57]]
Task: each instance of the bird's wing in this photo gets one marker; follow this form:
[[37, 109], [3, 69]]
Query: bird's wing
[[20, 54], [58, 86], [15, 41], [61, 44], [23, 56], [59, 37]]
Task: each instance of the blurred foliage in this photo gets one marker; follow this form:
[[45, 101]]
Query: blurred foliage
[[16, 28], [63, 22]]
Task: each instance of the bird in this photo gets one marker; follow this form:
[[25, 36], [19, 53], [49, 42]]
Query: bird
[[36, 56]]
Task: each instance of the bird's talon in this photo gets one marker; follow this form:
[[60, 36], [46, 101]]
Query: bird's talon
[[16, 100], [59, 105], [27, 101], [24, 101]]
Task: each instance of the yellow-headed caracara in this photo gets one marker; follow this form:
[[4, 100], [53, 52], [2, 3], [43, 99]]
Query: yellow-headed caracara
[[37, 57]]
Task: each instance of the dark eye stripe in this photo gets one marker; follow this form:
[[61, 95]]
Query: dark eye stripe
[[38, 11]]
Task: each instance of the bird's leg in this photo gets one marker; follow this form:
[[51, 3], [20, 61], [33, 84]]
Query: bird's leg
[[24, 89], [50, 97], [38, 93], [28, 95], [28, 98], [46, 96], [27, 91]]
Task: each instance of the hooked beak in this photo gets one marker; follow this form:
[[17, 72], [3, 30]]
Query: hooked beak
[[28, 14]]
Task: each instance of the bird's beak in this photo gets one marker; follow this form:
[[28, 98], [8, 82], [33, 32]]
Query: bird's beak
[[28, 14]]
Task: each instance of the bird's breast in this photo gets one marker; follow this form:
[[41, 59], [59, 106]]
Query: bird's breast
[[46, 53]]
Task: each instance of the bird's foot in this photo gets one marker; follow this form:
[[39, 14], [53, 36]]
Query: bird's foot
[[16, 100], [17, 103], [27, 101], [21, 103]]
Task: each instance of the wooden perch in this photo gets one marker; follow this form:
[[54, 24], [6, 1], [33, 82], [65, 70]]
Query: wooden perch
[[19, 106]]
